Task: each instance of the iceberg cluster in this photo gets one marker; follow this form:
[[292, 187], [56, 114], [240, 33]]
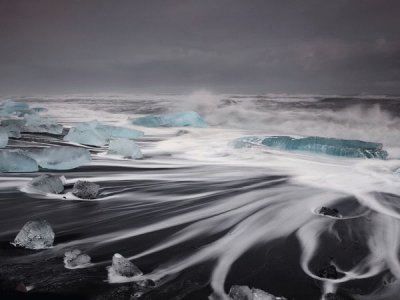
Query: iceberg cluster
[[94, 133], [126, 148], [76, 258], [123, 267], [242, 292], [52, 158], [330, 146], [35, 235], [48, 183], [179, 119]]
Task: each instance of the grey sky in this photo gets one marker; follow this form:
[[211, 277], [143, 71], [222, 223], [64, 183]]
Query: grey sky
[[254, 46]]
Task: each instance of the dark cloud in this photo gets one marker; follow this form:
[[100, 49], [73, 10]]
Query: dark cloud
[[313, 46]]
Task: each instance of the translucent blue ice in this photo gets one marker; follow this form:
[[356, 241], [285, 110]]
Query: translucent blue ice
[[60, 158], [179, 119], [330, 146], [124, 147], [17, 161], [94, 133]]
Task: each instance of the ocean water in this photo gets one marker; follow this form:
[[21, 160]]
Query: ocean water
[[198, 216]]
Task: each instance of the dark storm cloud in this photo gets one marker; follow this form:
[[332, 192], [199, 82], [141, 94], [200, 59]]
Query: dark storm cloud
[[340, 46]]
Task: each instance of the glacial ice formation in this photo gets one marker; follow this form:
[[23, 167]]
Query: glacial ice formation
[[48, 183], [85, 189], [178, 119], [330, 146], [34, 123], [94, 133], [17, 161], [126, 148], [3, 138], [60, 157], [242, 292], [76, 258], [35, 235], [123, 267]]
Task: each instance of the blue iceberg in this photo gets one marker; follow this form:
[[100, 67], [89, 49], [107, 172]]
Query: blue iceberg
[[329, 146], [179, 119], [17, 161], [94, 133], [60, 158]]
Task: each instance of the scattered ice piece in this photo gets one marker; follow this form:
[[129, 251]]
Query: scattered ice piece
[[242, 292], [35, 235], [34, 123], [48, 183], [123, 267], [326, 211], [126, 148], [330, 146], [17, 161], [179, 119], [76, 258], [86, 135], [85, 189], [60, 157], [94, 133], [3, 138]]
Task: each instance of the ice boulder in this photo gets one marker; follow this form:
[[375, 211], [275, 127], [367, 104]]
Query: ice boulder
[[86, 135], [126, 148], [179, 119], [94, 133], [3, 138], [314, 144], [34, 123], [60, 157], [48, 183], [85, 189], [123, 267], [242, 292], [35, 235], [17, 161], [75, 258]]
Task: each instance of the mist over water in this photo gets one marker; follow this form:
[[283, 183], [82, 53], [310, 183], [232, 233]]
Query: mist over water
[[197, 216]]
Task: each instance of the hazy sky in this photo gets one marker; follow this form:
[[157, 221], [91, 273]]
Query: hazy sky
[[245, 46]]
